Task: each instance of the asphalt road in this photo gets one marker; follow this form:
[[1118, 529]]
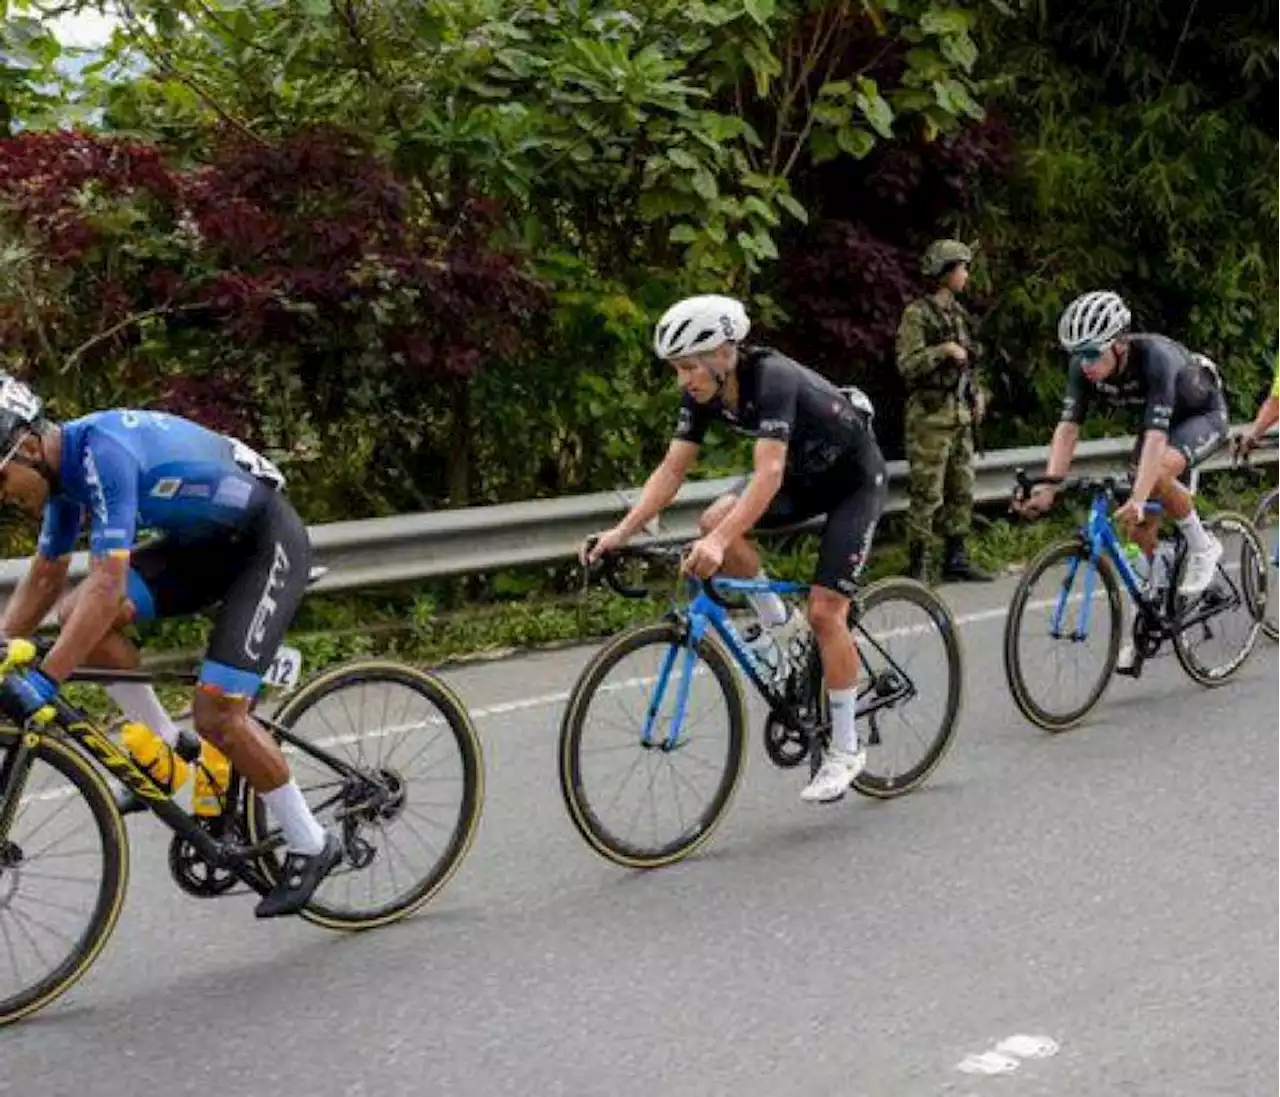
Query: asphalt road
[[1113, 890]]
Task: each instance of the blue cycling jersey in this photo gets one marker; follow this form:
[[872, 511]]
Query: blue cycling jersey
[[147, 469]]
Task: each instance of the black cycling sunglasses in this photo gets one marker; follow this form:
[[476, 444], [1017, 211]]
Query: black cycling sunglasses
[[1088, 354]]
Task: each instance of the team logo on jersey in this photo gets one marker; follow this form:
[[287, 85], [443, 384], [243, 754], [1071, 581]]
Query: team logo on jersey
[[233, 492], [94, 483], [267, 605], [166, 487]]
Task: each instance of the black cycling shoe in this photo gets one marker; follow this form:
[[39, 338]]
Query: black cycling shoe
[[187, 748], [301, 875]]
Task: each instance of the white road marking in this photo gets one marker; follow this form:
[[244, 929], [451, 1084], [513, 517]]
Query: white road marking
[[1028, 1047], [987, 1062], [1008, 1054]]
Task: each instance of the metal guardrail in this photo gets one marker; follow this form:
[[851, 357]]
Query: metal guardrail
[[382, 551]]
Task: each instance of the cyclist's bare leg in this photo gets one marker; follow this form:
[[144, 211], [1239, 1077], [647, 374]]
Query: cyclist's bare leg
[[1177, 501], [224, 720], [829, 619]]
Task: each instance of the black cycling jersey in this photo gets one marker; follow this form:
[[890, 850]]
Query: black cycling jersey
[[779, 398], [1160, 376]]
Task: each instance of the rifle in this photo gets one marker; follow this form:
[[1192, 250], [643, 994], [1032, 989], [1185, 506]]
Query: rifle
[[969, 394]]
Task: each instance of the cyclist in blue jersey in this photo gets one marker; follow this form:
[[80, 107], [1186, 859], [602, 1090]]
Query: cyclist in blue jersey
[[228, 538]]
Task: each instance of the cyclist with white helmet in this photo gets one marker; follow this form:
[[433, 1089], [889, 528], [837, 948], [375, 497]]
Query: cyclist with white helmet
[[228, 538], [815, 453], [1184, 420]]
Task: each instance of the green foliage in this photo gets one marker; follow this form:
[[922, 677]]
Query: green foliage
[[31, 87], [1146, 163]]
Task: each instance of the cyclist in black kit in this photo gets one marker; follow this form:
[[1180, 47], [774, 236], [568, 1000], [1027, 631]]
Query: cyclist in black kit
[[815, 453], [1184, 420]]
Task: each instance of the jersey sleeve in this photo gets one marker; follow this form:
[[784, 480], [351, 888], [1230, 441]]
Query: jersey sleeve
[[1075, 401], [59, 529], [1161, 373], [776, 401], [111, 475], [691, 422], [1275, 384]]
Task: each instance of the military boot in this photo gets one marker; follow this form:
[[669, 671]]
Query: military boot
[[957, 566]]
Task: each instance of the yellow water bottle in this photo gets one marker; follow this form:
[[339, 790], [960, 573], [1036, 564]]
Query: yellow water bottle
[[213, 775], [155, 757]]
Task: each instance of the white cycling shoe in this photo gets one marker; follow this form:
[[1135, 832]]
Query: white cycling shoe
[[1200, 568], [832, 781]]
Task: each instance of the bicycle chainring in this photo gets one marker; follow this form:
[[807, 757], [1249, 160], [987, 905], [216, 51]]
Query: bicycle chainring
[[786, 747], [197, 876]]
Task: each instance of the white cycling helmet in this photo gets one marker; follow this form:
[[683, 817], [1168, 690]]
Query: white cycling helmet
[[20, 409], [699, 324], [1093, 319]]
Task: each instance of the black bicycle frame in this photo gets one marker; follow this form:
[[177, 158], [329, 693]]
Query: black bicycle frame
[[93, 742]]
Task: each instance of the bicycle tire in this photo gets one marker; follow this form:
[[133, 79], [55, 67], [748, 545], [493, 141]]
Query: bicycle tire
[[1211, 677], [889, 786], [88, 782], [1018, 686], [458, 721], [584, 817], [1267, 510]]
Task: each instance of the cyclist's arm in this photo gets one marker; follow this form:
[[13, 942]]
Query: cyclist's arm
[[36, 594], [1269, 413], [1154, 443], [661, 487], [1062, 448], [1267, 417], [769, 462], [38, 590], [112, 477]]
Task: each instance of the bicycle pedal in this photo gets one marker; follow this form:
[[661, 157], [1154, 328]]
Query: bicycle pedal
[[1134, 671]]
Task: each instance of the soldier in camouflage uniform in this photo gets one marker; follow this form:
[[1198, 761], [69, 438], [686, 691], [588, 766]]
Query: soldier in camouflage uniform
[[936, 355]]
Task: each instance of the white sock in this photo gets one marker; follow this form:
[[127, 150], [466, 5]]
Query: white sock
[[1196, 537], [139, 702], [301, 830], [844, 705], [769, 607]]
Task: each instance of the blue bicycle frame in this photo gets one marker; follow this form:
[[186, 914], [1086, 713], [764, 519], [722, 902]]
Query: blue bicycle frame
[[705, 612], [1100, 536]]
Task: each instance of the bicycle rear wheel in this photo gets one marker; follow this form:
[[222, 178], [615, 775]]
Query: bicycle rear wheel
[[411, 772], [912, 677], [1229, 612], [1060, 620], [639, 689], [64, 864]]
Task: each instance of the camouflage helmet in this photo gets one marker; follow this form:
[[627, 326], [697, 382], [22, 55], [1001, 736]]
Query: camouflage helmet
[[943, 253]]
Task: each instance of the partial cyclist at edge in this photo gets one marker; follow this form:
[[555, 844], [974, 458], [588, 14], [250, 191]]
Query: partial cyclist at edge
[[1184, 420], [228, 538], [815, 453]]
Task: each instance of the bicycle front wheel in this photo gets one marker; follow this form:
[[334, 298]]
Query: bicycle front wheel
[[64, 864], [652, 746], [1062, 635], [406, 799], [1227, 617], [1266, 520]]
